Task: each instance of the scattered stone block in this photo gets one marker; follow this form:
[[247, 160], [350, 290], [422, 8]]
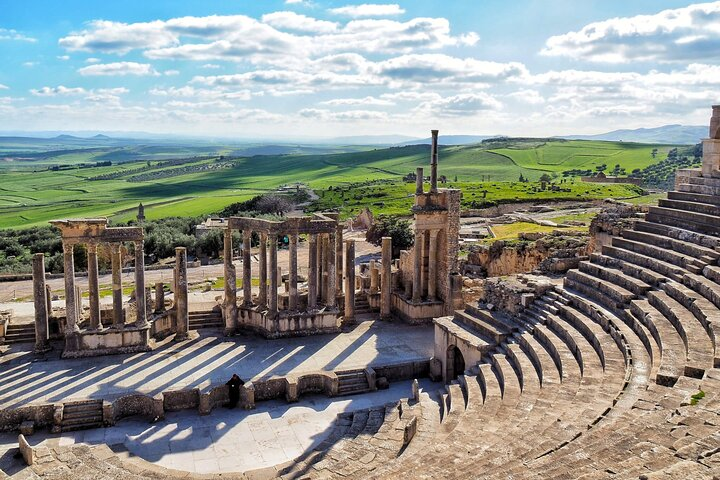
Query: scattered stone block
[[27, 427], [382, 383]]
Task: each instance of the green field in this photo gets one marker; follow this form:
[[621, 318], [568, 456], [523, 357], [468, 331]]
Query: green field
[[32, 195]]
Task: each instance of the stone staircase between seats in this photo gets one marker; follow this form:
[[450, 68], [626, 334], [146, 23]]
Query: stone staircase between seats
[[20, 333], [82, 415], [351, 382], [207, 319], [362, 307]]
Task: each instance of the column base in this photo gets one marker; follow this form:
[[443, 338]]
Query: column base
[[42, 348], [181, 337], [230, 332]]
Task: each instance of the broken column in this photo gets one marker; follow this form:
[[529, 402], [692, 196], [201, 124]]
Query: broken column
[[312, 270], [71, 311], [230, 302], [374, 277], [711, 145], [349, 281], [116, 261], [419, 179], [93, 287], [262, 295], [293, 283], [159, 297], [182, 319], [274, 275], [432, 266], [331, 277], [418, 264], [386, 278], [140, 304], [247, 271], [339, 256], [434, 162], [42, 339]]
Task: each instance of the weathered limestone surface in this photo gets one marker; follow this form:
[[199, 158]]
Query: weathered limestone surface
[[182, 319]]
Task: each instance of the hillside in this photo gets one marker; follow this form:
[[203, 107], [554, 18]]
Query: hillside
[[675, 134]]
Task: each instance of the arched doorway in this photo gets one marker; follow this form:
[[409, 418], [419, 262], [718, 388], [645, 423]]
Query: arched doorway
[[455, 363]]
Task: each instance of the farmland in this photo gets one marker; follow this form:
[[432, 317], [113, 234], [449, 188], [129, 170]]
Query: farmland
[[189, 181]]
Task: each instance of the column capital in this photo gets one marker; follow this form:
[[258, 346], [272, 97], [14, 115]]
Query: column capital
[[68, 247], [91, 247]]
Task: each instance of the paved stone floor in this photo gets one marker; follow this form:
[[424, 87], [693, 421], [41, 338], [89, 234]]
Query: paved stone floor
[[206, 358], [226, 440]]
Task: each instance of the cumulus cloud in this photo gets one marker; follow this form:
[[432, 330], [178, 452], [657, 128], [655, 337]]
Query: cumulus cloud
[[171, 72], [4, 87], [676, 35], [464, 104], [58, 91], [9, 34], [368, 10], [63, 57], [345, 116], [118, 37], [359, 101], [298, 23], [119, 69], [201, 93]]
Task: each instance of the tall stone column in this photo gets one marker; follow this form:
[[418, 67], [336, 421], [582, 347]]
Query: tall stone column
[[230, 302], [432, 265], [419, 179], [42, 338], [274, 275], [312, 270], [331, 299], [349, 281], [182, 319], [293, 292], [374, 277], [71, 311], [386, 278], [322, 267], [140, 299], [116, 260], [159, 297], [417, 271], [93, 287], [434, 162], [339, 256], [262, 297], [247, 270]]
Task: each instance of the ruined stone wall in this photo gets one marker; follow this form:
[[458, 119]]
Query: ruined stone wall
[[610, 222], [448, 259]]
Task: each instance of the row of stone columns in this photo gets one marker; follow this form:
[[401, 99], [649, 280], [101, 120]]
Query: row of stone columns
[[425, 280]]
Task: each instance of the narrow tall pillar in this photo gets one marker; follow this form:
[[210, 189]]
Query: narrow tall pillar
[[432, 265], [159, 297], [417, 271], [349, 281], [293, 291], [93, 287], [182, 320], [339, 256], [262, 296], [323, 268], [332, 285], [423, 267], [386, 278], [115, 255], [318, 265], [374, 277], [312, 270], [247, 271], [140, 299], [42, 336], [419, 179], [434, 162], [230, 302], [274, 275], [71, 311]]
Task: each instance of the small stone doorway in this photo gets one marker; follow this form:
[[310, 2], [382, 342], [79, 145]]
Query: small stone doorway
[[455, 364]]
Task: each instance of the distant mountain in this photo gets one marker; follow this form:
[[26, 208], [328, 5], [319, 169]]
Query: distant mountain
[[675, 134], [368, 140], [450, 140]]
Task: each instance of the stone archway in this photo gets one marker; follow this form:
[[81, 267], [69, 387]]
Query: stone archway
[[455, 363]]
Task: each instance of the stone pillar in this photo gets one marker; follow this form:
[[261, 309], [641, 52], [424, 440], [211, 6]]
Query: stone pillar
[[42, 336], [93, 287], [312, 270], [116, 258], [274, 275], [386, 279], [262, 296], [434, 162], [159, 297], [419, 179], [71, 311], [293, 291], [247, 271], [432, 266], [48, 299], [374, 277], [417, 271], [182, 319], [349, 281], [332, 285], [323, 268], [339, 257], [141, 321], [318, 265], [230, 301]]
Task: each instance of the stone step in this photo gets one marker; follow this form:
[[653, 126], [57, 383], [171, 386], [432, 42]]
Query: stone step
[[482, 325], [19, 338], [708, 181], [695, 197], [704, 254], [704, 208], [678, 233], [670, 256], [619, 294], [82, 415], [697, 222], [466, 333], [616, 276], [658, 266], [641, 273], [698, 189]]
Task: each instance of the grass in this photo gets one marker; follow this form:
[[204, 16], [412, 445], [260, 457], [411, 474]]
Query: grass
[[29, 198], [650, 199], [585, 217], [511, 231], [694, 399]]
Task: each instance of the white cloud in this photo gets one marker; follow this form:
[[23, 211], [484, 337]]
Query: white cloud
[[9, 34], [677, 35], [117, 37], [359, 101], [4, 87], [464, 104], [295, 2], [92, 60], [171, 72], [201, 93], [368, 10], [118, 69], [63, 57], [298, 23], [210, 66], [527, 96], [29, 64], [58, 91], [346, 116]]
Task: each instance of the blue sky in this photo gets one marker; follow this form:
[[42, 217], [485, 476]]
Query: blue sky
[[312, 68]]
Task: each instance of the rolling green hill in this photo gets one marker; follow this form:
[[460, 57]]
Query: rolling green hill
[[31, 195]]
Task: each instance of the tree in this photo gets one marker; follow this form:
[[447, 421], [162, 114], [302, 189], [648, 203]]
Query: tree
[[545, 178], [394, 227], [521, 179]]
